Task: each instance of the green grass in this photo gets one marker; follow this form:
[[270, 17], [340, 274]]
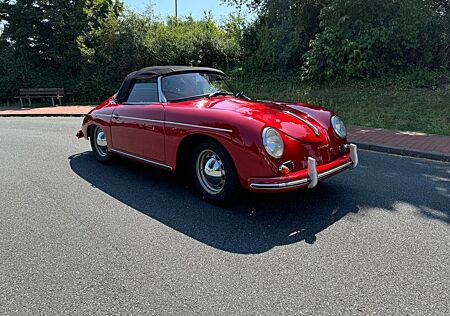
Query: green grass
[[413, 102]]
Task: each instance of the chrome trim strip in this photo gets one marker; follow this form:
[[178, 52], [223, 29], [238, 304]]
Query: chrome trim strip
[[202, 127], [327, 173], [101, 115], [311, 126], [142, 159], [140, 103], [297, 183], [279, 186], [139, 119], [176, 123], [167, 122]]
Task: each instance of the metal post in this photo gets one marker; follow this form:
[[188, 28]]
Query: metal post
[[176, 9]]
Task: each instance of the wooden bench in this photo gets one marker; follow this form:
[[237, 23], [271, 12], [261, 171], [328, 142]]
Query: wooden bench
[[41, 93]]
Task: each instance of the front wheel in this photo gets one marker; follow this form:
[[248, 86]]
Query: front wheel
[[99, 144], [214, 174]]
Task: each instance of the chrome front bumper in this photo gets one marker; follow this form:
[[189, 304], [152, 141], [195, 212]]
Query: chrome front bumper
[[313, 176]]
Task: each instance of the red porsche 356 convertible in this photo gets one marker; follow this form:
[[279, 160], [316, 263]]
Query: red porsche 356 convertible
[[189, 119]]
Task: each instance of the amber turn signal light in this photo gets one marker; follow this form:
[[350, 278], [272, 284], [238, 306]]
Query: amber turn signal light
[[286, 167], [284, 170]]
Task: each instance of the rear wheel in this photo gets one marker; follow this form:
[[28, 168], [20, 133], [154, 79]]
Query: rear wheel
[[99, 144], [214, 174]]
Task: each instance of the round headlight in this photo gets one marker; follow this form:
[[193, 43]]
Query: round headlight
[[339, 126], [273, 143]]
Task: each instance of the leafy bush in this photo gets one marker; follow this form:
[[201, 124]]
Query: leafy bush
[[363, 39]]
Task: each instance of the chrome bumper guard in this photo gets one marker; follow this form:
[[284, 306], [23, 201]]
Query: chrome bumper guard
[[354, 155], [313, 176], [312, 173]]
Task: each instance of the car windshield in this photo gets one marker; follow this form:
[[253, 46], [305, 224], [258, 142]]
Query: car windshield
[[194, 85]]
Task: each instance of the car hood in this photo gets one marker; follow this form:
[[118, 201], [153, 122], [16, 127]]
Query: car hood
[[304, 122]]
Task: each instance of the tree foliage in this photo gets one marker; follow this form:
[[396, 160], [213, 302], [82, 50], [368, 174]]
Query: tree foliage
[[88, 46], [46, 32], [363, 39], [328, 39], [280, 35]]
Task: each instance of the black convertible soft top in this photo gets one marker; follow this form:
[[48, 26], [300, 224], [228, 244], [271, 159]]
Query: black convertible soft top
[[156, 71]]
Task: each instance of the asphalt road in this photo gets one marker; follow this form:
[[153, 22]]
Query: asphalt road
[[78, 237]]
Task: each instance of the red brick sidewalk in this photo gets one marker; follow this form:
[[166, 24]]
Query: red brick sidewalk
[[402, 143], [45, 111], [396, 142]]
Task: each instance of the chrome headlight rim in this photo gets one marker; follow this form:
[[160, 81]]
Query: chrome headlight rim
[[277, 134], [341, 131]]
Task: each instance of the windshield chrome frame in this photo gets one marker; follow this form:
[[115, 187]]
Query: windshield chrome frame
[[162, 97]]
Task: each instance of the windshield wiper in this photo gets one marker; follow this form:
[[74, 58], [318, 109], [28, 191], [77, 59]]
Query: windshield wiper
[[219, 92], [243, 96]]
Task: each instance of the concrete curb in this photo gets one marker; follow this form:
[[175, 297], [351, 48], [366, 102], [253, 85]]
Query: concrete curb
[[404, 151]]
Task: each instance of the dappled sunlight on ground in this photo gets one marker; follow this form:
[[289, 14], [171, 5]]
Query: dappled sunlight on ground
[[411, 133]]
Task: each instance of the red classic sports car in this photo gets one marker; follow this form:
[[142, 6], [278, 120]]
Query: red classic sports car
[[190, 119]]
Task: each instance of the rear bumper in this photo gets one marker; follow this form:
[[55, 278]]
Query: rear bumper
[[307, 177]]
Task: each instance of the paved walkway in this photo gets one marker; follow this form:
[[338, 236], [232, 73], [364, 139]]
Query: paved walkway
[[45, 111], [403, 143], [396, 142]]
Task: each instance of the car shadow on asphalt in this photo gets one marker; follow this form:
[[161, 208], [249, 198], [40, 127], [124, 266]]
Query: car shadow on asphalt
[[257, 223]]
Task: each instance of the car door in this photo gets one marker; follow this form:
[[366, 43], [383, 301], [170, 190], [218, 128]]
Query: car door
[[137, 126]]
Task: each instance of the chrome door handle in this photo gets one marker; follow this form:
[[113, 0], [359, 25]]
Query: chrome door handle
[[115, 116]]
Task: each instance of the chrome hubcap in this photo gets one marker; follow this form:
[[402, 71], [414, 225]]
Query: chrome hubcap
[[210, 171], [101, 139], [100, 142]]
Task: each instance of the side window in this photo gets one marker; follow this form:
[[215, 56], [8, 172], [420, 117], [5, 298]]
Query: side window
[[144, 91]]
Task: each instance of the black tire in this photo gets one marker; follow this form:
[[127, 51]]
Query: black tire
[[224, 189], [100, 152]]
